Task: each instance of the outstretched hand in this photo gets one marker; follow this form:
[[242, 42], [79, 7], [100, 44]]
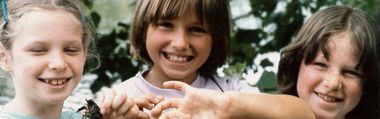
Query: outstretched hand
[[197, 103]]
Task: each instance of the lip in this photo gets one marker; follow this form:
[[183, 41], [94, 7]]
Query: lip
[[55, 82], [178, 59], [329, 98]]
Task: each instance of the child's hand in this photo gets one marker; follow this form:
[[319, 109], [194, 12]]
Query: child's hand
[[116, 105], [173, 114], [197, 103], [147, 101]]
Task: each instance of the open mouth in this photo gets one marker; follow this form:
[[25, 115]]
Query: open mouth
[[55, 82], [328, 98], [176, 58]]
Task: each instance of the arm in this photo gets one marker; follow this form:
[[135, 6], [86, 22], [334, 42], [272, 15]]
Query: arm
[[201, 103], [270, 106]]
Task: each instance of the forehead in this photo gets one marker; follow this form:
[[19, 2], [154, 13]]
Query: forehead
[[340, 50], [41, 16], [47, 24], [42, 19], [342, 44]]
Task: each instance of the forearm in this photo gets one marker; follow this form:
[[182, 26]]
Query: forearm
[[271, 106]]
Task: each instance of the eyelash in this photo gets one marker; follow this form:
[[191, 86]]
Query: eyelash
[[352, 73], [39, 51], [165, 24], [345, 72], [198, 29], [319, 64]]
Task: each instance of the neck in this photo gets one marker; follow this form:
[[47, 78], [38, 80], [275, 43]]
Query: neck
[[157, 77], [37, 109]]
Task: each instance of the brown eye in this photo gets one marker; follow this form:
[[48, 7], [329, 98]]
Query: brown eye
[[198, 29], [165, 25]]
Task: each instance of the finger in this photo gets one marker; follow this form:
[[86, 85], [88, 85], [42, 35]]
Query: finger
[[160, 98], [107, 100], [154, 99], [142, 115], [173, 114], [157, 110], [147, 101], [119, 99], [132, 113], [127, 105], [177, 85]]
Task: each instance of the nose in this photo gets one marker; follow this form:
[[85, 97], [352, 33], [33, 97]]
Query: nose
[[180, 41], [333, 81], [57, 62]]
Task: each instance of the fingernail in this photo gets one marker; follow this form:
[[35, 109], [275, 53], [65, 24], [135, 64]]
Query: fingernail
[[102, 111], [151, 106]]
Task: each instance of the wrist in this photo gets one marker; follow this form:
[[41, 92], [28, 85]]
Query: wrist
[[236, 109]]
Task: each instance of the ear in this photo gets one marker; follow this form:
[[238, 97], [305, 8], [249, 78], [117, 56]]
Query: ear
[[5, 58]]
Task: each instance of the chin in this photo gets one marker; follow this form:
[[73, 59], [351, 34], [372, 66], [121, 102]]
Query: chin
[[328, 115], [177, 76]]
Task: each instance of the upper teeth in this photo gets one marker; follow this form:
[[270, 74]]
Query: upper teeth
[[175, 58], [56, 81], [327, 98]]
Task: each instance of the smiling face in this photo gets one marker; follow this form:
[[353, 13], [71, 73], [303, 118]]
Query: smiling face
[[47, 56], [332, 87], [178, 48]]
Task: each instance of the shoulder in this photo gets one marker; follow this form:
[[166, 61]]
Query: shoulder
[[131, 86], [5, 115], [131, 82], [71, 115]]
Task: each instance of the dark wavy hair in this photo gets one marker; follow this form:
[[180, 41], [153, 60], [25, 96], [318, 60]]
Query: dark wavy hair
[[314, 36], [214, 14]]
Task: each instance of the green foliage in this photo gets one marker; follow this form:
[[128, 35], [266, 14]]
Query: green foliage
[[231, 72], [112, 42], [267, 82]]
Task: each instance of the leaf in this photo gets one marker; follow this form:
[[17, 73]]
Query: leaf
[[267, 82]]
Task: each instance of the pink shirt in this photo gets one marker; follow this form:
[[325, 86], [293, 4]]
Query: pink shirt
[[137, 86]]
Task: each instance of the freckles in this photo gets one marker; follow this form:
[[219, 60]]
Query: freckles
[[354, 89]]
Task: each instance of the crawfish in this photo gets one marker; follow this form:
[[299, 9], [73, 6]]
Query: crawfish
[[92, 110]]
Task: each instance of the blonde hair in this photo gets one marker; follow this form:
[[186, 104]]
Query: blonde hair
[[17, 8]]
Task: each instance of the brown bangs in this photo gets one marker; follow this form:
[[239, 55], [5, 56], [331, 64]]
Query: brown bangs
[[168, 9], [333, 25]]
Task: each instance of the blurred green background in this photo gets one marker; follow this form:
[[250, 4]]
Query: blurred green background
[[260, 29]]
